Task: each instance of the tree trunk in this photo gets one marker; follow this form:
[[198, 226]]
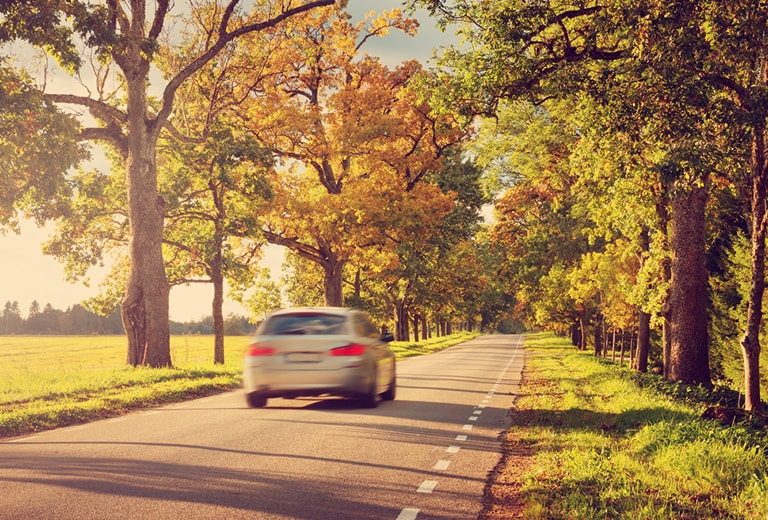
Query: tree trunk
[[643, 342], [597, 334], [217, 309], [689, 354], [750, 342], [332, 282], [575, 334], [644, 318], [402, 332], [662, 212], [621, 356], [145, 308]]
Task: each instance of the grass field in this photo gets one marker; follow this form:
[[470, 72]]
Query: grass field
[[47, 381], [598, 441]]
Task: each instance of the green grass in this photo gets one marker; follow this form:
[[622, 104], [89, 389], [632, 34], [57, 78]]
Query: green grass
[[403, 349], [52, 381], [607, 447]]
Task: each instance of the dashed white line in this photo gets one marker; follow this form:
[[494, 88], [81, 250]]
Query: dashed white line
[[428, 486], [442, 465], [408, 513]]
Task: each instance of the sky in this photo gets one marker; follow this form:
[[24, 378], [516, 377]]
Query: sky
[[26, 275]]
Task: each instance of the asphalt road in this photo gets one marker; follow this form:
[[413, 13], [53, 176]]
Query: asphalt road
[[425, 455]]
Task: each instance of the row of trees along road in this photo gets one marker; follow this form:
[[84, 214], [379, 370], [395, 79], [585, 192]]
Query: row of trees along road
[[637, 178], [77, 320], [628, 139], [228, 125]]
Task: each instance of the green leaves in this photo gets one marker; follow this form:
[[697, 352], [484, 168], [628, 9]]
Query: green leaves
[[37, 147]]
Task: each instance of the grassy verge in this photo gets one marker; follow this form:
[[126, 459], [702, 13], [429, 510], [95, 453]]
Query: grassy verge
[[403, 349], [49, 382], [592, 440]]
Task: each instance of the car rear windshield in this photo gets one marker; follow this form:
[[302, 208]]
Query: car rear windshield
[[304, 324]]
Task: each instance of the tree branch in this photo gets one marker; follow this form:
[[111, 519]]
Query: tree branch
[[303, 250], [112, 134], [224, 38], [157, 23], [100, 110]]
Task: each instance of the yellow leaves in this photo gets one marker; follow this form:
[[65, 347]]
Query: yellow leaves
[[381, 24]]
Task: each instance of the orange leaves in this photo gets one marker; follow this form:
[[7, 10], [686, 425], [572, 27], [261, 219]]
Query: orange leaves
[[355, 144]]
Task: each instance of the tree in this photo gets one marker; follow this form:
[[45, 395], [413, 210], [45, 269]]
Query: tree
[[126, 33], [554, 50], [11, 318], [217, 191], [739, 72], [356, 144], [262, 297], [437, 273]]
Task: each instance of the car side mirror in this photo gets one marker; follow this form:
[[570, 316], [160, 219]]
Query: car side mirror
[[387, 337]]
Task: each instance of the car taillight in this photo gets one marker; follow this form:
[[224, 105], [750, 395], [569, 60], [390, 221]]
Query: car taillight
[[260, 350], [349, 350]]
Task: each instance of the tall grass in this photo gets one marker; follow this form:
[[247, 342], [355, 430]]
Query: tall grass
[[608, 448], [47, 381]]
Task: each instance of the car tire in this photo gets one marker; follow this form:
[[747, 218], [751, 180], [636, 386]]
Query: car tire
[[256, 401], [389, 394], [371, 398]]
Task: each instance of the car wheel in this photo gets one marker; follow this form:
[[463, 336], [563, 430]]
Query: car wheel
[[389, 394], [256, 401], [371, 398]]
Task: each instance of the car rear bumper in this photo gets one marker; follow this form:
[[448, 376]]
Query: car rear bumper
[[343, 382]]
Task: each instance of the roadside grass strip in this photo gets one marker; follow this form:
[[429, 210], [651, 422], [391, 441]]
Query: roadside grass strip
[[403, 349], [605, 442]]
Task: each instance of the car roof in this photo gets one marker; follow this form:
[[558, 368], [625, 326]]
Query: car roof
[[324, 310]]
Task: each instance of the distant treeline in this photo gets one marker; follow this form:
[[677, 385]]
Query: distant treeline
[[77, 320]]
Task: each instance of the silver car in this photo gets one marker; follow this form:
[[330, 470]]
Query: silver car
[[319, 351]]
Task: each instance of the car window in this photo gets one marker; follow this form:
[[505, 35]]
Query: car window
[[304, 323]]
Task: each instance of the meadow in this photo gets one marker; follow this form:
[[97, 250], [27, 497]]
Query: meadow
[[594, 440], [52, 381]]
